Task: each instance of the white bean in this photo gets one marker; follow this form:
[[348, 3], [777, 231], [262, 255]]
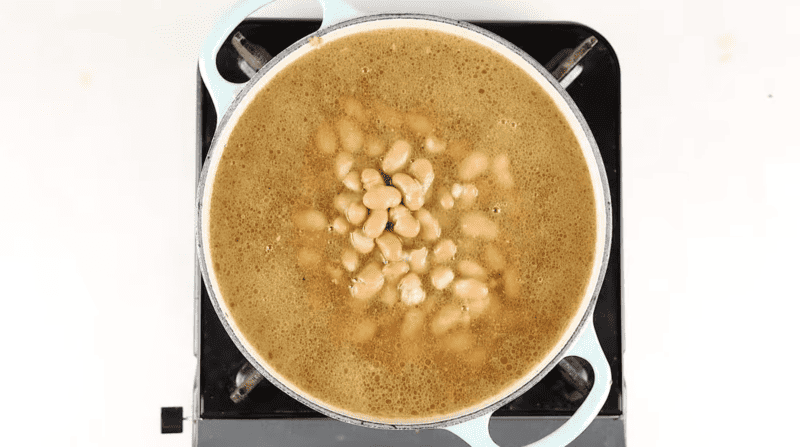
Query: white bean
[[444, 251], [397, 157], [368, 282], [446, 200], [356, 213], [413, 195], [431, 230], [390, 246], [419, 124], [374, 146], [469, 196], [494, 258], [395, 270], [350, 135], [435, 145], [412, 323], [376, 223], [475, 224], [361, 242], [340, 225], [407, 226], [477, 305], [397, 212], [350, 259], [404, 223], [352, 181], [505, 180], [473, 165], [502, 171], [422, 170], [448, 318], [352, 107], [470, 289], [382, 197], [371, 274], [311, 220], [471, 269], [343, 200], [411, 292], [326, 139], [342, 164], [441, 277], [418, 259], [371, 178], [501, 162], [457, 190]]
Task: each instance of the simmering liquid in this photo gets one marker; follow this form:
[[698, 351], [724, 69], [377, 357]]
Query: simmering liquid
[[418, 306]]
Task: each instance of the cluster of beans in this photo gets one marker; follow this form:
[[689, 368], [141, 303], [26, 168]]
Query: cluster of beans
[[383, 208]]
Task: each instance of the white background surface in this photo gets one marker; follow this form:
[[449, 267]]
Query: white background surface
[[96, 212]]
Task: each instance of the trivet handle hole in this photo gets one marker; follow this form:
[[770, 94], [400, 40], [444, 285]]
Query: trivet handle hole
[[223, 92]]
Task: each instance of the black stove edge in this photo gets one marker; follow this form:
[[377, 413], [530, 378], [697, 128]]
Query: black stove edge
[[603, 430]]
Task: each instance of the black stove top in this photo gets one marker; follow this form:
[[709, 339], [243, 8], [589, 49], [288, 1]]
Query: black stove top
[[596, 91]]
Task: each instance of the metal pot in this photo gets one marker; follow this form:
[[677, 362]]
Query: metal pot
[[230, 101]]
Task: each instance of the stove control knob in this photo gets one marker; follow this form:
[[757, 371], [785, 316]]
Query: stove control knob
[[171, 419]]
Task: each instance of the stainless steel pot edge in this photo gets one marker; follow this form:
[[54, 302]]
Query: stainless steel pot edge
[[414, 426]]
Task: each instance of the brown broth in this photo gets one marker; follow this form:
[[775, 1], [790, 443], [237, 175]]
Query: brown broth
[[304, 321]]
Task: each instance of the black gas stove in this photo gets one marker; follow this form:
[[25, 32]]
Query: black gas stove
[[231, 411]]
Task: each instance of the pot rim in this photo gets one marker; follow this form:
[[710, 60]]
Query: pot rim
[[576, 324]]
